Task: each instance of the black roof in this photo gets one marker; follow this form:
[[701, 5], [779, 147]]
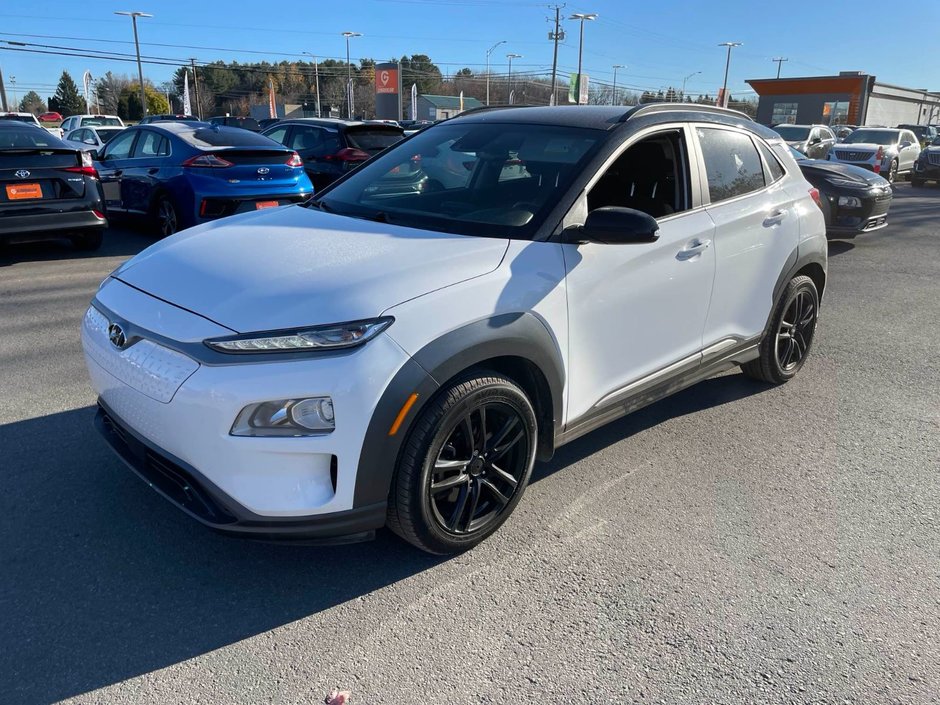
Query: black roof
[[335, 123], [608, 117]]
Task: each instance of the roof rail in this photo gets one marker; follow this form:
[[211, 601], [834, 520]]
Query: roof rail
[[648, 108], [485, 108]]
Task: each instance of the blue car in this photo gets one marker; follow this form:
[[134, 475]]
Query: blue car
[[176, 175]]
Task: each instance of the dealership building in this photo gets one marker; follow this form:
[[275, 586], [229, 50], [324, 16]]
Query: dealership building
[[851, 98]]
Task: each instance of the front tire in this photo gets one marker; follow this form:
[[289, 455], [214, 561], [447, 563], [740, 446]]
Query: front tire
[[892, 172], [789, 338], [465, 464]]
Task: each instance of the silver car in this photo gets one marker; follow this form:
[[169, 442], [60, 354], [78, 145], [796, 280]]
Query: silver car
[[887, 151], [89, 139]]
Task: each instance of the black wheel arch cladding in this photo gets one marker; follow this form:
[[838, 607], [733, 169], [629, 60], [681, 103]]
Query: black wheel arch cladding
[[516, 344]]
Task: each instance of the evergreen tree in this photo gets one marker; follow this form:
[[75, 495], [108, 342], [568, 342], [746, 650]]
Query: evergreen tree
[[32, 103], [67, 99]]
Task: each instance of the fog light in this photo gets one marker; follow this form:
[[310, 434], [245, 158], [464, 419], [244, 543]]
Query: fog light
[[850, 202], [286, 417]]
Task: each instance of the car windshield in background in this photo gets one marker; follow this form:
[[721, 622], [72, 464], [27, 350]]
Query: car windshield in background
[[882, 137], [791, 133], [101, 122], [217, 136], [108, 133], [492, 180], [26, 138], [29, 119], [371, 140]]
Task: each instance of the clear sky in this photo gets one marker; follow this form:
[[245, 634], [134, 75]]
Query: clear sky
[[660, 42]]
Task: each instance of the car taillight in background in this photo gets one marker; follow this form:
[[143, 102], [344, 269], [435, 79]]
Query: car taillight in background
[[294, 160], [87, 168], [814, 194], [207, 161], [347, 156]]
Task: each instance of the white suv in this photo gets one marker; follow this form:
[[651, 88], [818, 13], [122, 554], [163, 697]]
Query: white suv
[[379, 358], [73, 122]]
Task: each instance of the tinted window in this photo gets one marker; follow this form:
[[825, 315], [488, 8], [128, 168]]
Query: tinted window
[[151, 144], [305, 137], [774, 170], [732, 163], [277, 135], [120, 146], [28, 137], [792, 133], [371, 140], [99, 121], [329, 144], [225, 137], [106, 134], [882, 137]]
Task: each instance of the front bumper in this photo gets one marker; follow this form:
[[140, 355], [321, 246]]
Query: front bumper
[[171, 402], [872, 215], [197, 496], [927, 171]]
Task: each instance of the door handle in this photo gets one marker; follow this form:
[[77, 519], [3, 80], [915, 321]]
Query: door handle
[[153, 170], [775, 218], [693, 249]]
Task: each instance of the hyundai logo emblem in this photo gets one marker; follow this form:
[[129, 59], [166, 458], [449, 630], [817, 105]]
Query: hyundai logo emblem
[[264, 170], [116, 336], [22, 174]]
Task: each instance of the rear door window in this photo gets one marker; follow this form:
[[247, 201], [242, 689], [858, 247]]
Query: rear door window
[[120, 146], [277, 135], [732, 163]]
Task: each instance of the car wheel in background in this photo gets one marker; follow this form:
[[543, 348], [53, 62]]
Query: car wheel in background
[[789, 338], [165, 216], [892, 174], [465, 464], [88, 241]]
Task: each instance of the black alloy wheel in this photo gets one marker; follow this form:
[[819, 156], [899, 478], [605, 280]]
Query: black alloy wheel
[[796, 329], [465, 464], [479, 468], [167, 220]]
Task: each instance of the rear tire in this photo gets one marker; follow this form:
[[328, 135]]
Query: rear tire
[[165, 216], [789, 337], [88, 241], [465, 464]]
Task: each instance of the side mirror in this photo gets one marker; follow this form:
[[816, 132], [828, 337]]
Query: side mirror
[[613, 225], [905, 145], [815, 140]]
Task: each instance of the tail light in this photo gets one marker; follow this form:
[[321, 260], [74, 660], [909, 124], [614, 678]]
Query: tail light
[[349, 154], [209, 161], [879, 155], [814, 194], [294, 160], [87, 168]]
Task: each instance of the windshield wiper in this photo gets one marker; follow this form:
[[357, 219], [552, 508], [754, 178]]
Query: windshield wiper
[[319, 205]]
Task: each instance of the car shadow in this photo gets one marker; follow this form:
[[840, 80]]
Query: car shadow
[[122, 242], [103, 580], [838, 247]]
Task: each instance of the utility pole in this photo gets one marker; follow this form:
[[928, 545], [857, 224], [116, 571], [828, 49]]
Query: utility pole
[[316, 77], [488, 52], [724, 86], [556, 36], [349, 86], [13, 88], [779, 60], [613, 91], [509, 89], [140, 70], [3, 94], [192, 62], [581, 16]]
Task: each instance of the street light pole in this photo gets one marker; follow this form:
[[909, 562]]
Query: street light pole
[[613, 93], [509, 92], [684, 80], [779, 60], [349, 92], [140, 69], [13, 89], [488, 52], [581, 16], [724, 86], [316, 78]]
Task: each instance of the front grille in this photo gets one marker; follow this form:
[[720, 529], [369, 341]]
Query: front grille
[[933, 158], [876, 222], [850, 156], [881, 206]]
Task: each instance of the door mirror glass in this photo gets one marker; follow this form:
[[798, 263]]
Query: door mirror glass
[[615, 225]]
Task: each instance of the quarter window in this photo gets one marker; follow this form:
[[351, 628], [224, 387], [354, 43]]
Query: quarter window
[[732, 164], [120, 146], [151, 144], [277, 135], [774, 170]]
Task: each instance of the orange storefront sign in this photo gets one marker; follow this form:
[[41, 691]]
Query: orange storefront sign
[[386, 81]]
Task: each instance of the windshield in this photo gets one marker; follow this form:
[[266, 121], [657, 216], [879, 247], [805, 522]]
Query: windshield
[[372, 140], [882, 137], [792, 133], [100, 120], [466, 178]]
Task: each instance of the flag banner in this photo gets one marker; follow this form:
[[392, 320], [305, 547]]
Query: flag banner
[[414, 101], [187, 106], [461, 101], [272, 106], [578, 89]]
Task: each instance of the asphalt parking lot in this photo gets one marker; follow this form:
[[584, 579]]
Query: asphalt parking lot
[[734, 544]]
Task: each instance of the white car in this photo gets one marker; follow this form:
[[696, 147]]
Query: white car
[[890, 152], [30, 119], [73, 122], [319, 371], [90, 139]]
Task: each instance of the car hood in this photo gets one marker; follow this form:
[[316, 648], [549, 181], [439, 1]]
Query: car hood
[[846, 172], [294, 267], [865, 147]]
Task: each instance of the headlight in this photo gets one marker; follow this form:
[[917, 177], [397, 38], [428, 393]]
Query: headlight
[[330, 337], [312, 416], [850, 202]]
